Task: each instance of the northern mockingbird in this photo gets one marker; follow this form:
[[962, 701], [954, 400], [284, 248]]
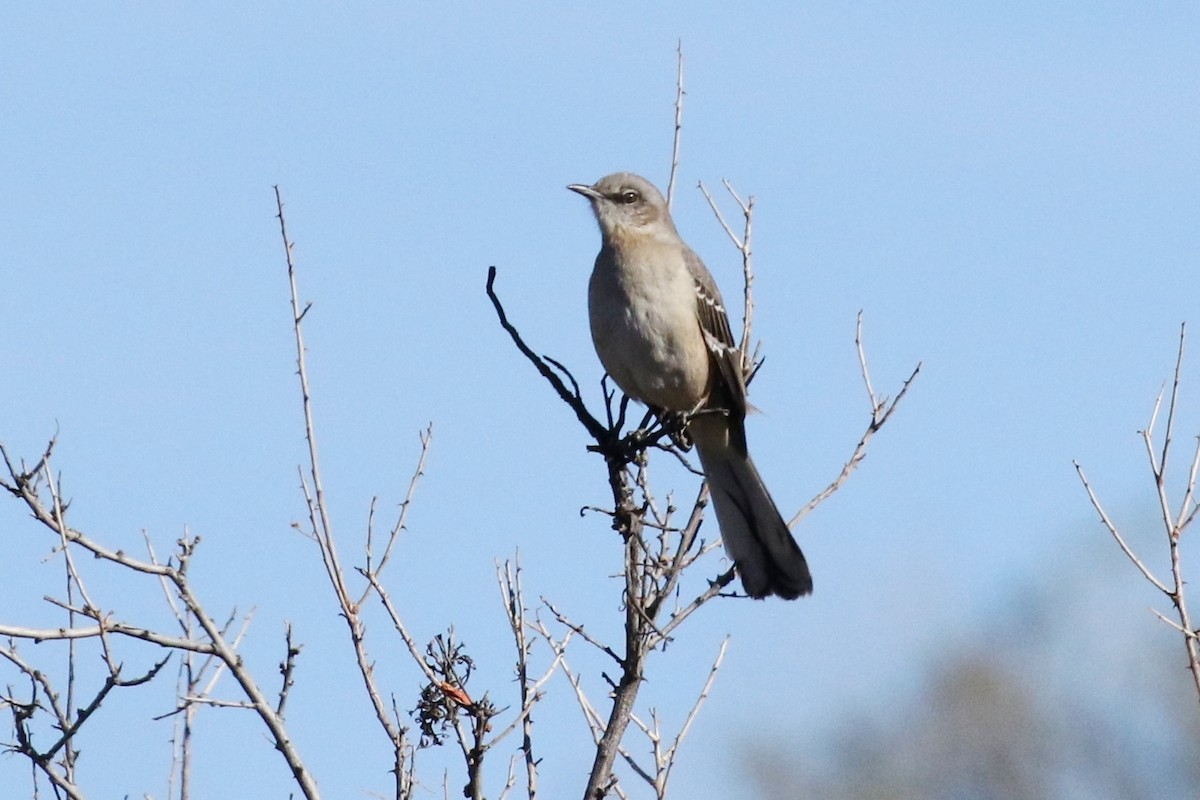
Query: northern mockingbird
[[660, 329]]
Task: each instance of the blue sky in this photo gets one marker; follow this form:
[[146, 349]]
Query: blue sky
[[1008, 193]]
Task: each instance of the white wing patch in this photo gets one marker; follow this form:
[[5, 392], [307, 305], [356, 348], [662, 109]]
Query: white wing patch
[[708, 299], [717, 347]]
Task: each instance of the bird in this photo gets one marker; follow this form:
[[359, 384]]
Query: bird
[[661, 332]]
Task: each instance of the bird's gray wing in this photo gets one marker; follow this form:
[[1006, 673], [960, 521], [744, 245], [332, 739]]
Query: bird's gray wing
[[729, 384]]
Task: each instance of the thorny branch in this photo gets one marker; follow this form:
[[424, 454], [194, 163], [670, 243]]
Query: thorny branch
[[750, 352], [321, 531], [881, 411], [512, 594], [25, 484], [678, 135], [445, 703], [1174, 522]]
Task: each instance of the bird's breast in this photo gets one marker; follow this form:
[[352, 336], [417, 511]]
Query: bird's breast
[[645, 329]]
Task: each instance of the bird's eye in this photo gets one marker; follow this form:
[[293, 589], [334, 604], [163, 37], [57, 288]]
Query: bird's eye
[[629, 197]]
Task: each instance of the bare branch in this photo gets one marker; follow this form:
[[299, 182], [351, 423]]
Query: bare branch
[[318, 511], [574, 628], [1187, 509], [287, 670], [678, 124], [508, 578], [105, 626], [402, 518], [715, 588], [398, 623], [733, 237], [1112, 528], [1172, 623], [666, 765], [881, 411], [572, 399], [1170, 432], [1173, 525]]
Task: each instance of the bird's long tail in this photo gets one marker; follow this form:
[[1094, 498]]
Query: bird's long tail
[[756, 537]]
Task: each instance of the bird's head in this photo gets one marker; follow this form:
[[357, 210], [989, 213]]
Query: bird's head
[[627, 205]]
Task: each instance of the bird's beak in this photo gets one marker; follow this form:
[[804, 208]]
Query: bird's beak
[[586, 191]]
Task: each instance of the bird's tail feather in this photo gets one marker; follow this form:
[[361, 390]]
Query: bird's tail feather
[[756, 537]]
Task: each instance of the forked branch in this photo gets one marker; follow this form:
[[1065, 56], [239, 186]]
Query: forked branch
[[1174, 523]]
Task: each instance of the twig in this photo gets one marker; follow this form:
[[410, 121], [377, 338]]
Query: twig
[[1173, 524], [749, 351], [572, 399], [319, 517], [1116, 533], [675, 139], [287, 669], [23, 486], [667, 762], [881, 411], [401, 519], [715, 587], [508, 579], [583, 634], [319, 514]]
